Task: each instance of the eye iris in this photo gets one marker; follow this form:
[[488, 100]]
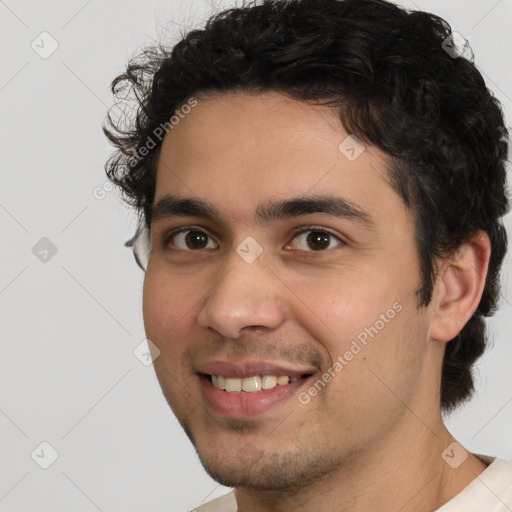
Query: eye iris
[[196, 240], [318, 240]]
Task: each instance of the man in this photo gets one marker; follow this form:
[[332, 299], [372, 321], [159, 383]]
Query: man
[[321, 183]]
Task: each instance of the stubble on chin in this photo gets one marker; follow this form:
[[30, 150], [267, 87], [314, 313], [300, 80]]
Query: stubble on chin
[[285, 470]]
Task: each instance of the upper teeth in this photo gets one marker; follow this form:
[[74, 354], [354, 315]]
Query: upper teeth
[[251, 384]]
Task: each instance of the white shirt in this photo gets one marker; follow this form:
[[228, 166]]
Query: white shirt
[[491, 491]]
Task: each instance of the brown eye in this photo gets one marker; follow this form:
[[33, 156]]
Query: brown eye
[[316, 240], [192, 240]]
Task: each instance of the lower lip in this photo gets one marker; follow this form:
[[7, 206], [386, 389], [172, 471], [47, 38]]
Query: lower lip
[[241, 405]]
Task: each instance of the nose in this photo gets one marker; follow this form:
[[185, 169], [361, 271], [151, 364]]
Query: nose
[[247, 295]]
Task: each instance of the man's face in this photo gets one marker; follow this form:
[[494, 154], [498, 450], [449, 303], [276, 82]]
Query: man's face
[[321, 292]]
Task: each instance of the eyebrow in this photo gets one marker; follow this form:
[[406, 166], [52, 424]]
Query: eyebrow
[[266, 213]]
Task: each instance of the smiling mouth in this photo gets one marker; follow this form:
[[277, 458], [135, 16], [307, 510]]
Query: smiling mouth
[[252, 384]]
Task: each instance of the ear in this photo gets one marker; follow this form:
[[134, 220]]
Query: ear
[[459, 287]]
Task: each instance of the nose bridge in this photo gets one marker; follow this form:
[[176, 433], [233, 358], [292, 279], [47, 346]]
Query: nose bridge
[[246, 295]]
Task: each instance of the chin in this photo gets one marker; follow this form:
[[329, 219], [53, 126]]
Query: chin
[[257, 476], [253, 468]]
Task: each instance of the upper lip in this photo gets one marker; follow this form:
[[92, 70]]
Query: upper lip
[[242, 369]]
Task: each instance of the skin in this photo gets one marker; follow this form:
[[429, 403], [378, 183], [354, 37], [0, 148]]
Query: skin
[[377, 425]]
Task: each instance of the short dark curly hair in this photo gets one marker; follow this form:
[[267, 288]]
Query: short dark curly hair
[[389, 74]]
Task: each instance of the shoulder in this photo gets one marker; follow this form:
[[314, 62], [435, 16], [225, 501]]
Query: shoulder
[[491, 490], [226, 503]]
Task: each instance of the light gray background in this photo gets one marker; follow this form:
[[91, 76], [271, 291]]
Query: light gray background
[[68, 327]]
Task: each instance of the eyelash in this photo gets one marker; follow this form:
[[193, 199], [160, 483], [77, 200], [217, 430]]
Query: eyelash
[[299, 231]]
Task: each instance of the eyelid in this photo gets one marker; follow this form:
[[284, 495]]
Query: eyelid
[[302, 229]]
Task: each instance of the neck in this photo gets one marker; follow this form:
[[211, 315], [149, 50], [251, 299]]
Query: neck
[[404, 472]]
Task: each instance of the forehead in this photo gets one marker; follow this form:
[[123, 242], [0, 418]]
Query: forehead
[[237, 150]]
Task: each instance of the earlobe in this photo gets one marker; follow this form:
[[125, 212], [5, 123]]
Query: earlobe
[[459, 287]]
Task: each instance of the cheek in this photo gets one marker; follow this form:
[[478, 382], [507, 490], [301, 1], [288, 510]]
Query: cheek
[[339, 308], [167, 306]]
